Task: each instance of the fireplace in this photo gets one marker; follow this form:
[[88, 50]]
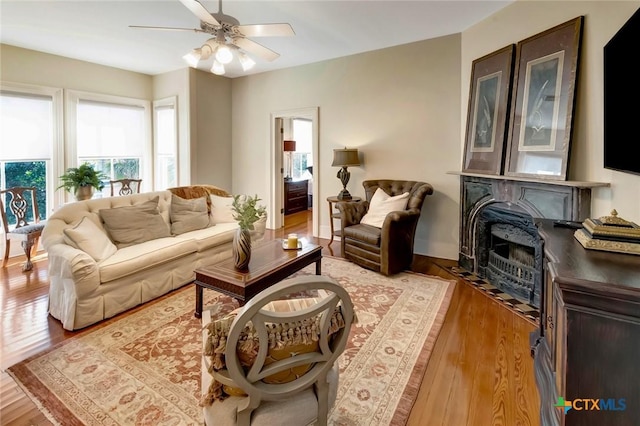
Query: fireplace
[[499, 241]]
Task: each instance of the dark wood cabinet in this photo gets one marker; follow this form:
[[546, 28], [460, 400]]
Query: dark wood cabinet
[[295, 196], [588, 344]]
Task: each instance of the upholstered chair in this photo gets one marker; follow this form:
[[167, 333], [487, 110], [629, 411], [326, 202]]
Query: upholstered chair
[[277, 361], [384, 245]]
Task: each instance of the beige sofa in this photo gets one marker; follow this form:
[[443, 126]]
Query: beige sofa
[[91, 280]]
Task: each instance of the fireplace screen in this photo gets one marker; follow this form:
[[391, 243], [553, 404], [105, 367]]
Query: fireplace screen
[[510, 253], [512, 264]]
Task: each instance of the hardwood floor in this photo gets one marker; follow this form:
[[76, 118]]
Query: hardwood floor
[[480, 371]]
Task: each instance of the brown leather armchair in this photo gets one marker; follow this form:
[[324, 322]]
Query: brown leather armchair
[[389, 249]]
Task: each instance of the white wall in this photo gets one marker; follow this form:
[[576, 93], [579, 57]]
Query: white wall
[[176, 83], [602, 20], [211, 121], [398, 106], [31, 67]]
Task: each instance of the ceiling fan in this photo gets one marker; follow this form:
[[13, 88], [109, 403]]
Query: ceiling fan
[[229, 36]]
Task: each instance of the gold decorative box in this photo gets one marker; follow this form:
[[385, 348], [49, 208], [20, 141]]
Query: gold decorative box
[[610, 233]]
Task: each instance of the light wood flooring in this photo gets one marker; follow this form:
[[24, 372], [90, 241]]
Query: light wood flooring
[[479, 373]]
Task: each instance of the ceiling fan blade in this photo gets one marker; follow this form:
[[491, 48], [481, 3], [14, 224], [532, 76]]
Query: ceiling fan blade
[[266, 30], [144, 27], [256, 49], [200, 11]]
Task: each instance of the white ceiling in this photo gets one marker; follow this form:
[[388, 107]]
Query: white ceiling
[[98, 31]]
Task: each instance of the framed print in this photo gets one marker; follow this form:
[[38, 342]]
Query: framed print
[[545, 79], [487, 116]]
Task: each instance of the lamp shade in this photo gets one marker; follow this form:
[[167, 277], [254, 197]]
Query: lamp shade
[[289, 146], [345, 157]]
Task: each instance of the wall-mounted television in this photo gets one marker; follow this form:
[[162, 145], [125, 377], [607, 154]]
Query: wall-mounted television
[[622, 98]]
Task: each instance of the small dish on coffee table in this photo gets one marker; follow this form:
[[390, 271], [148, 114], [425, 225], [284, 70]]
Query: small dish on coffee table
[[284, 245]]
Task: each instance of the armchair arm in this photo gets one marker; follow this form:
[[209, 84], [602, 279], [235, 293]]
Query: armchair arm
[[352, 212], [397, 236]]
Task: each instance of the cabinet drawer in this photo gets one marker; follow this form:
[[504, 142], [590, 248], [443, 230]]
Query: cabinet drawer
[[296, 188], [296, 204], [295, 196]]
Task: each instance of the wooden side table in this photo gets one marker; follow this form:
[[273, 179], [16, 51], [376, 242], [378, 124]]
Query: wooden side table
[[336, 215]]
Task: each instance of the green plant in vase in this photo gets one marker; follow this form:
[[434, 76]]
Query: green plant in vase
[[82, 180], [247, 212]]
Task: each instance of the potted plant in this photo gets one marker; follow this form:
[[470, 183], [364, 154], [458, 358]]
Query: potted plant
[[81, 181], [247, 212]]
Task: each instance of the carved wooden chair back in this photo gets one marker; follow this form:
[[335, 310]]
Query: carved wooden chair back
[[125, 186], [22, 204]]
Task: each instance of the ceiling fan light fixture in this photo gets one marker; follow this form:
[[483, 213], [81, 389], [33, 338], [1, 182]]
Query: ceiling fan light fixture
[[224, 54], [206, 51], [217, 68], [246, 62], [192, 58]]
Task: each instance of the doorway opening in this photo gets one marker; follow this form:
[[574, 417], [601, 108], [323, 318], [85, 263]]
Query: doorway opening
[[300, 166]]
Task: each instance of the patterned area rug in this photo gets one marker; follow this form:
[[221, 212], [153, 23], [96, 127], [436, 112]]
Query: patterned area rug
[[144, 368]]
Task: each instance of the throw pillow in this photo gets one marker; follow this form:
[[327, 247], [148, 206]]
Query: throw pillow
[[135, 224], [381, 205], [188, 215], [221, 210], [89, 238]]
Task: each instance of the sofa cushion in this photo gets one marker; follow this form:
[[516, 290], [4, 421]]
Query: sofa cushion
[[221, 209], [381, 205], [88, 237], [211, 236], [135, 224], [188, 215], [136, 258]]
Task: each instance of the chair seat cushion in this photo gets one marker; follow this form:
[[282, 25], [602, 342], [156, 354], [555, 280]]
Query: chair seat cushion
[[367, 233], [28, 229], [301, 409]]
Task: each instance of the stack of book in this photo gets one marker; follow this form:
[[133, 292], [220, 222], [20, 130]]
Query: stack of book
[[610, 233]]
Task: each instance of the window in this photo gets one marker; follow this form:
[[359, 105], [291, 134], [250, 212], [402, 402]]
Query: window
[[302, 157], [29, 134], [165, 143], [112, 133]]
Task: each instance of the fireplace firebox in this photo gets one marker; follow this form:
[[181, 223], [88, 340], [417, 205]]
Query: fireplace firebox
[[498, 237], [509, 252]]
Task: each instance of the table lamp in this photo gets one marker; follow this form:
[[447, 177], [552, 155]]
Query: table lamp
[[289, 147], [344, 158]]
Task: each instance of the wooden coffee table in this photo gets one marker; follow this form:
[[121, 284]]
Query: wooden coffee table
[[269, 264]]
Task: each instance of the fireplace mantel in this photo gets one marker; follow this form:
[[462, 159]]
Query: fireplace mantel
[[540, 198], [573, 183]]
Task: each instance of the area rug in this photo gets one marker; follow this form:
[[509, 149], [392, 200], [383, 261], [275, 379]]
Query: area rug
[[144, 368]]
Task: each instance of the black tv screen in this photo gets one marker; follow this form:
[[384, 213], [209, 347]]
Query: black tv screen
[[622, 97]]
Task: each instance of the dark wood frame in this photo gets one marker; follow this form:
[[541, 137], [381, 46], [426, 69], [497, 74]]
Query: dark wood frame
[[545, 80], [493, 72]]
